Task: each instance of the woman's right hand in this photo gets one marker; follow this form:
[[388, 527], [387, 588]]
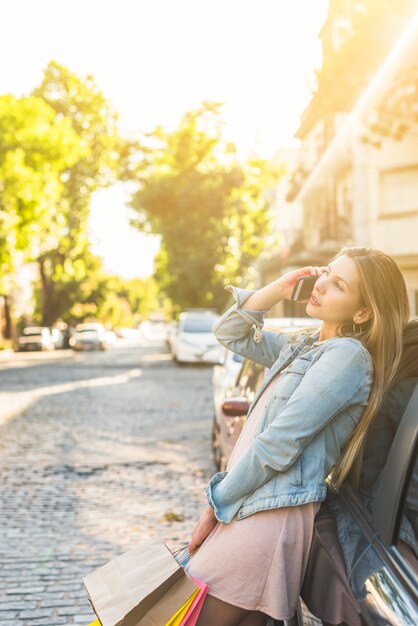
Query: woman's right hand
[[205, 525], [288, 281]]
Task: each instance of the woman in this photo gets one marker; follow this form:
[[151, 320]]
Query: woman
[[309, 417]]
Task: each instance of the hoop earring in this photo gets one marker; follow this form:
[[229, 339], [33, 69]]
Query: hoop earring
[[355, 331]]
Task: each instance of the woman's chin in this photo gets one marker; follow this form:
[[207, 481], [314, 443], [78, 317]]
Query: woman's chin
[[312, 311]]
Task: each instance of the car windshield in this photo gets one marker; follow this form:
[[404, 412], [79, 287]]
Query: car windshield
[[87, 330], [32, 333], [198, 325]]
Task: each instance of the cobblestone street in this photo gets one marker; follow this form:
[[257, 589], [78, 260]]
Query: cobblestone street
[[99, 451]]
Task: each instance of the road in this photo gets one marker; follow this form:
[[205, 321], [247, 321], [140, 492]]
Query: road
[[98, 452]]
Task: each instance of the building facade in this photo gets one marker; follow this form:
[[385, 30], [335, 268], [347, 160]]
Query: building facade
[[345, 189]]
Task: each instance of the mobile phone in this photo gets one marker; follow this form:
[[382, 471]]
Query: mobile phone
[[303, 288]]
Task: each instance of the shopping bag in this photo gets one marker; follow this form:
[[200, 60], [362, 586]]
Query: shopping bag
[[192, 614], [179, 615], [144, 586], [172, 602]]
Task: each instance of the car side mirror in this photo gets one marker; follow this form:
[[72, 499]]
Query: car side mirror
[[235, 407]]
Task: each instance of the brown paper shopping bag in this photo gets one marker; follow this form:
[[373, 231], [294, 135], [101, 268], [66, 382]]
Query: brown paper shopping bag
[[162, 612], [144, 586]]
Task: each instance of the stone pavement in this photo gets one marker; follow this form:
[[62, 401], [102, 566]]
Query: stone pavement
[[97, 453]]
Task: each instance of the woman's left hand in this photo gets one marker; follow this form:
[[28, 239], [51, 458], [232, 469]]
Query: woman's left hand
[[205, 525]]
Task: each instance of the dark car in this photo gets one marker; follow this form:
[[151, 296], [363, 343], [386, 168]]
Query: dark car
[[364, 554]]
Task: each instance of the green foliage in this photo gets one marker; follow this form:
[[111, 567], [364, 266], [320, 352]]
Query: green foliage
[[56, 148], [35, 149], [63, 268], [113, 300], [64, 283], [208, 208], [127, 302]]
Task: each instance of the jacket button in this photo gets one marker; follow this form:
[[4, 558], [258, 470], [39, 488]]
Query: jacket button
[[258, 335]]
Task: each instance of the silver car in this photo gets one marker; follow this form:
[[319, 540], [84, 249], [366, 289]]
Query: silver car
[[193, 340], [35, 338], [91, 336]]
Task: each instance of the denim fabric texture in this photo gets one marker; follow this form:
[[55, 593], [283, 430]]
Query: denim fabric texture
[[318, 401]]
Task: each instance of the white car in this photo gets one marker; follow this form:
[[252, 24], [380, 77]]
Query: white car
[[193, 340], [35, 338], [90, 336]]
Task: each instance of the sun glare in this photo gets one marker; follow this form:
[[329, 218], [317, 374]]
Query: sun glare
[[157, 60]]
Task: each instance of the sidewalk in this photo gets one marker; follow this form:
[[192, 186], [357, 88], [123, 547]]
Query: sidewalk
[[6, 354]]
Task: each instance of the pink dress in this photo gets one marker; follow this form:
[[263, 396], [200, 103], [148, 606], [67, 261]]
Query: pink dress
[[258, 563]]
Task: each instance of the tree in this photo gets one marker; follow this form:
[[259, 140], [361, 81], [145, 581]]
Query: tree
[[61, 261], [208, 208], [35, 150], [115, 301], [69, 289]]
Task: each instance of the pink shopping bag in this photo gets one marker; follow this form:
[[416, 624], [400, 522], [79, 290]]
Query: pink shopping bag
[[192, 614]]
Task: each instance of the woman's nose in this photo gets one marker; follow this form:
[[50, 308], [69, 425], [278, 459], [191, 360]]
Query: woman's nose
[[320, 284]]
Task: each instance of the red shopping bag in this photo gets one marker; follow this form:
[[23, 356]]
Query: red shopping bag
[[193, 613]]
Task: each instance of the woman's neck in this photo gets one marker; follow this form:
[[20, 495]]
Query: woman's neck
[[327, 331]]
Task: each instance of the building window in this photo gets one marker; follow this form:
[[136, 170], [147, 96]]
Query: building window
[[399, 189]]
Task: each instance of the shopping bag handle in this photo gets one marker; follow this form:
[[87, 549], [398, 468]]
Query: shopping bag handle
[[183, 556]]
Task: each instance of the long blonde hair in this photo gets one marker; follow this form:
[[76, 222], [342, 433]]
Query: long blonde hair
[[383, 290]]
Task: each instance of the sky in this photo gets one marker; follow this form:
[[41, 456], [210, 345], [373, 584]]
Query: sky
[[157, 59]]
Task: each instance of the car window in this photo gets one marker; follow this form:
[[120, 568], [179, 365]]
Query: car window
[[363, 563], [198, 325], [250, 378], [245, 372], [407, 536]]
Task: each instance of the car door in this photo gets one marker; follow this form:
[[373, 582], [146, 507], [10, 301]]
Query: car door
[[363, 565], [246, 385]]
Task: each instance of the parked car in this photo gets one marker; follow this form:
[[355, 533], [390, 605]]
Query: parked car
[[35, 338], [231, 410], [234, 387], [193, 340], [89, 336], [67, 333], [110, 337], [154, 330], [365, 549], [171, 330], [224, 375], [57, 338]]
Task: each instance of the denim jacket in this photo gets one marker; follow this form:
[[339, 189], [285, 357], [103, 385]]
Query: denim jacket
[[317, 402]]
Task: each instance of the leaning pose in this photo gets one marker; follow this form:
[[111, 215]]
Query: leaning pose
[[309, 418]]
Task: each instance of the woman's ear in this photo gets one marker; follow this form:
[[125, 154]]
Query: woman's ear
[[362, 315]]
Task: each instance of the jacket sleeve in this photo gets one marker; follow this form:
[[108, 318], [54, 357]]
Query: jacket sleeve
[[240, 330], [335, 382]]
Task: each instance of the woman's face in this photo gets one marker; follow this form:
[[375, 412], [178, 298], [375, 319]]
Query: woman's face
[[336, 297]]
